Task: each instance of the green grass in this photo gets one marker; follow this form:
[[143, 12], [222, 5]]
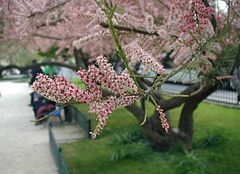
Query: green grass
[[216, 127]]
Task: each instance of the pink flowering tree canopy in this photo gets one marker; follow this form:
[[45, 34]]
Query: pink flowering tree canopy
[[138, 32]]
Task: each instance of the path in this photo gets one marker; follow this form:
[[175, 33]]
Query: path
[[24, 148]]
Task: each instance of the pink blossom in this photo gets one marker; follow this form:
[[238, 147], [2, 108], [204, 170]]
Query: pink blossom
[[163, 119], [106, 76], [136, 54], [62, 91], [104, 109], [197, 18]]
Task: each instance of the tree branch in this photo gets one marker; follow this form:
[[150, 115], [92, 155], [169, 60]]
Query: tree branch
[[134, 30], [47, 37], [165, 5], [49, 9], [175, 101], [137, 112]]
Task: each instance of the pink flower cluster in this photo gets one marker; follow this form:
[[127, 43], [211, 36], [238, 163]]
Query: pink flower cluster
[[127, 20], [197, 19], [62, 91], [163, 119], [136, 54], [120, 84], [104, 109], [92, 37]]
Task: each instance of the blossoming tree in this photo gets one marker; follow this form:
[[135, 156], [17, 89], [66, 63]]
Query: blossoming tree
[[147, 32]]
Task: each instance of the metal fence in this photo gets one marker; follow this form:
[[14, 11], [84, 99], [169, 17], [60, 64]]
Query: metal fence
[[57, 152], [77, 127], [223, 96], [80, 119]]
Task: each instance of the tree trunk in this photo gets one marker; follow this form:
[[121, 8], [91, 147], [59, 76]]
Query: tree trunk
[[186, 117], [152, 129], [186, 123], [79, 58], [154, 132]]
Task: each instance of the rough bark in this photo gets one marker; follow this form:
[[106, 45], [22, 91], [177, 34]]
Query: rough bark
[[174, 102], [186, 117], [153, 130]]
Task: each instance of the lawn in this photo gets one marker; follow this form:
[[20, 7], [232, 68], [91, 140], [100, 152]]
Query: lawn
[[121, 149]]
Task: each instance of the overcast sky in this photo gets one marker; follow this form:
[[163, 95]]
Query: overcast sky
[[222, 5]]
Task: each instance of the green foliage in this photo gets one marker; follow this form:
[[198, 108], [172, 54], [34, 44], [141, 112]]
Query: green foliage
[[224, 61], [191, 164], [213, 139], [128, 138], [219, 156], [132, 151], [158, 20], [51, 53], [134, 145], [13, 53], [78, 82]]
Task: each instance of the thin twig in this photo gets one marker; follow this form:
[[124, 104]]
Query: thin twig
[[50, 114], [110, 13], [146, 111]]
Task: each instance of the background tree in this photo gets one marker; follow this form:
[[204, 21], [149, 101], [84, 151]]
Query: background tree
[[193, 34]]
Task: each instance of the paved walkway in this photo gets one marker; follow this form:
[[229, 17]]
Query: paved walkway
[[24, 148]]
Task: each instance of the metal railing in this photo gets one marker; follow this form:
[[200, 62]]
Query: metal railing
[[222, 96], [57, 152], [84, 127], [79, 118]]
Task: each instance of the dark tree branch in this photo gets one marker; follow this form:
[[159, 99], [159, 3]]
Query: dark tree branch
[[134, 30], [47, 37], [137, 112], [175, 101], [165, 5], [47, 10]]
